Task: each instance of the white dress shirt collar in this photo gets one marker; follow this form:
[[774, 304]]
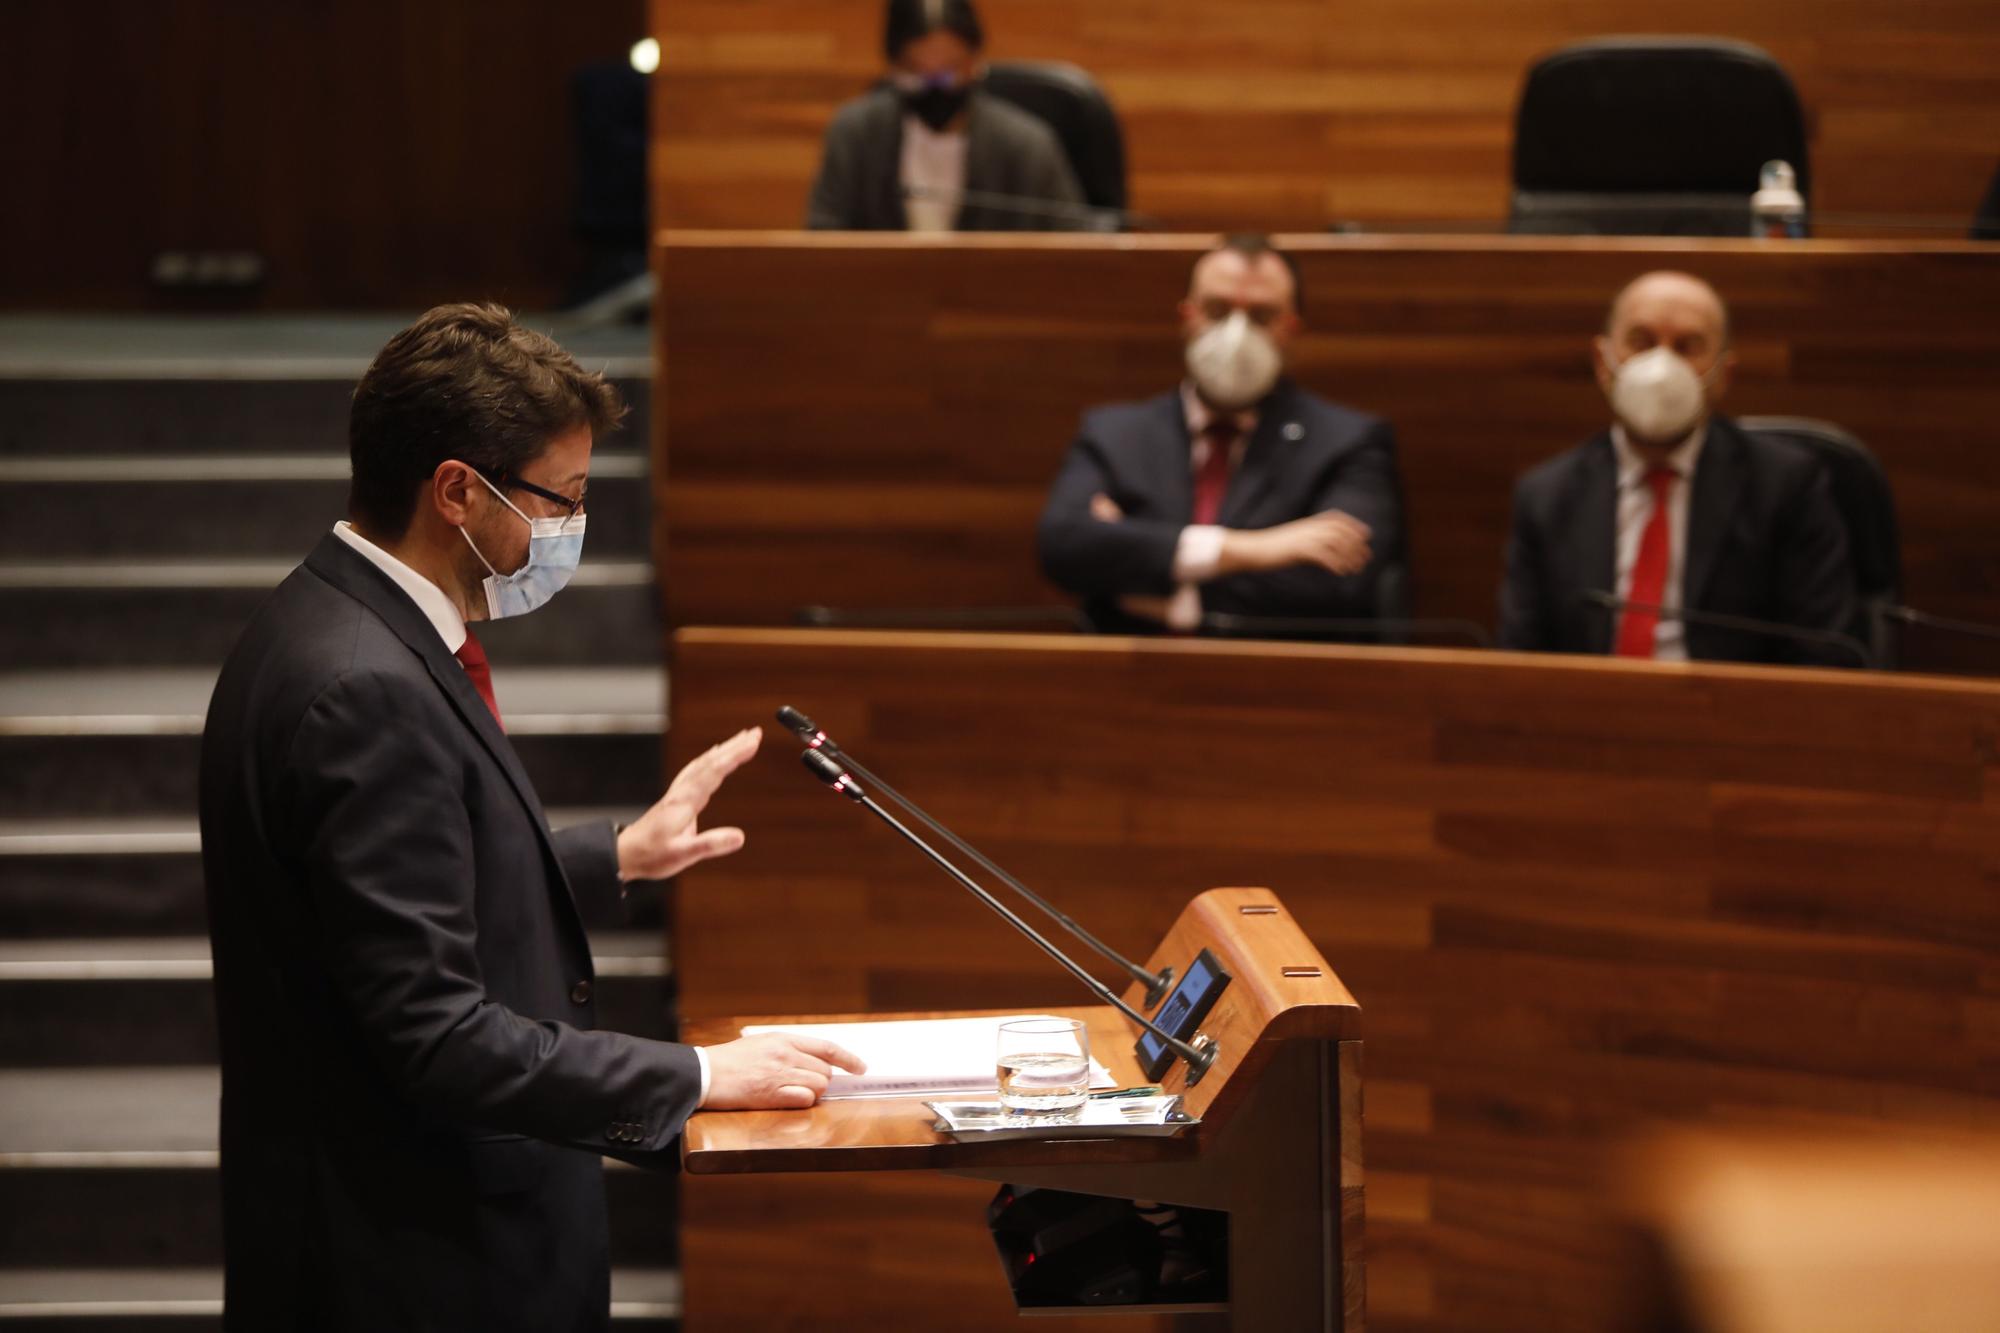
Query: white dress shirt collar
[[1682, 459], [1200, 415], [430, 599]]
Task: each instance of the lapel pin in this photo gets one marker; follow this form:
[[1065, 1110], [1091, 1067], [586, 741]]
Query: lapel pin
[[1294, 431]]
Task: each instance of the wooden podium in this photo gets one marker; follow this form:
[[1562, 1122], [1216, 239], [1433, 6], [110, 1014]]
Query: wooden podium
[[1278, 1146]]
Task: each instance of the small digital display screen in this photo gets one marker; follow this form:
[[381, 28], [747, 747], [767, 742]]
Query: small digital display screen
[[1183, 1012]]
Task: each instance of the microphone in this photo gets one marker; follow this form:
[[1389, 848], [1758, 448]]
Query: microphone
[[1199, 1054], [1746, 624], [1226, 622], [1909, 615], [817, 741], [1092, 216]]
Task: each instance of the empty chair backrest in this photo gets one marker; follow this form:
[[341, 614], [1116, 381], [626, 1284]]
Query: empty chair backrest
[[1652, 134], [1868, 508], [1069, 101], [1986, 222]]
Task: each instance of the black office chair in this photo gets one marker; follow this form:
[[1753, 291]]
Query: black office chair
[[1651, 136], [1868, 508], [1986, 222], [1069, 101]]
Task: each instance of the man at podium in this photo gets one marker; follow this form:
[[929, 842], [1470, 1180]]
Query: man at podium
[[415, 1099]]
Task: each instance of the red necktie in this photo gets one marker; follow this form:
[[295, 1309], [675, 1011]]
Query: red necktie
[[1638, 626], [473, 657], [1211, 480]]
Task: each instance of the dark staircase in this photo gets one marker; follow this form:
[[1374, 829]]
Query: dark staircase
[[157, 478]]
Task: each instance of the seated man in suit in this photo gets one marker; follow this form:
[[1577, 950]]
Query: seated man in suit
[[930, 151], [1674, 507], [1237, 492]]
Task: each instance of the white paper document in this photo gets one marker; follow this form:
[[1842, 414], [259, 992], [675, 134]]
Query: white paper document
[[920, 1057]]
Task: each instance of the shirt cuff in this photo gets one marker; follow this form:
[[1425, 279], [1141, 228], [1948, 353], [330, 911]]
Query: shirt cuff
[[1184, 609], [701, 1058], [1197, 553]]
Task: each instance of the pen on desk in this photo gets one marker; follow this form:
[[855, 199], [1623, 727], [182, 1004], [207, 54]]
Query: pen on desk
[[1150, 1090]]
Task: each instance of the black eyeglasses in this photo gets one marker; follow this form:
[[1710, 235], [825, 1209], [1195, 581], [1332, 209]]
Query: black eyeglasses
[[572, 507]]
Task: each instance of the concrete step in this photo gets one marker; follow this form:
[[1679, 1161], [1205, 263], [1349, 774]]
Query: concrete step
[[214, 407], [189, 1300], [127, 742], [107, 1001], [92, 508], [56, 614], [78, 878], [72, 384], [118, 1166]]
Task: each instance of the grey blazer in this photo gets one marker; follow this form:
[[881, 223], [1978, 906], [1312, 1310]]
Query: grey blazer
[[1010, 153]]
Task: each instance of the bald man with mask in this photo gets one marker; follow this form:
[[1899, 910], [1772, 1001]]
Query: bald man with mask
[[1673, 507]]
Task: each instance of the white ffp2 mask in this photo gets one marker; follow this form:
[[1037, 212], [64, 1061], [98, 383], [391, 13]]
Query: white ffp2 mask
[[1657, 396], [1233, 362]]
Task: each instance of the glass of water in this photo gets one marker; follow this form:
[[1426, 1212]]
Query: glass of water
[[1044, 1066]]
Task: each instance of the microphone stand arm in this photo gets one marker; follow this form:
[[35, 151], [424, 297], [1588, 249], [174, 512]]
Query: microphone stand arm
[[1199, 1054], [1157, 984]]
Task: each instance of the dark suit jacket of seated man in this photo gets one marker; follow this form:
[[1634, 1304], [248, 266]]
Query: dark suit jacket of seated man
[[1762, 536], [1306, 456], [899, 157], [415, 1101], [1239, 492]]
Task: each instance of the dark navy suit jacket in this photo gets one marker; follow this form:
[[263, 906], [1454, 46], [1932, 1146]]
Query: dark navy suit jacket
[[1764, 537], [1306, 456], [414, 1102]]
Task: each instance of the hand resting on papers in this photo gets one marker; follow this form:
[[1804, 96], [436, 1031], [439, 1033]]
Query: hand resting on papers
[[773, 1070]]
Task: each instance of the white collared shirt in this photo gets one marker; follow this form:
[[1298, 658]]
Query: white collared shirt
[[933, 175], [1199, 549], [450, 625], [430, 599], [1635, 511]]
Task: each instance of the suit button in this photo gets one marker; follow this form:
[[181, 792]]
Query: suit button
[[580, 993]]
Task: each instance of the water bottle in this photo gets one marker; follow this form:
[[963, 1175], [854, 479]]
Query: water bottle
[[1778, 210]]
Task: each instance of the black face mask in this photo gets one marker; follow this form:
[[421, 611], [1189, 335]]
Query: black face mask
[[936, 106]]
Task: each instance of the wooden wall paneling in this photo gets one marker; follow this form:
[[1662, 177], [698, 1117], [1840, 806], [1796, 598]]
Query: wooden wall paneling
[[874, 421], [376, 153], [1573, 899], [1296, 114]]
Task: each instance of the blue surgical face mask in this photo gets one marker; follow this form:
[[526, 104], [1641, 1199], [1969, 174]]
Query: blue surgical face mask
[[555, 548]]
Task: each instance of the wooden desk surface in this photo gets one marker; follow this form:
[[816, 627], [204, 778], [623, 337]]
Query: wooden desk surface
[[873, 421], [1574, 897], [894, 1133]]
